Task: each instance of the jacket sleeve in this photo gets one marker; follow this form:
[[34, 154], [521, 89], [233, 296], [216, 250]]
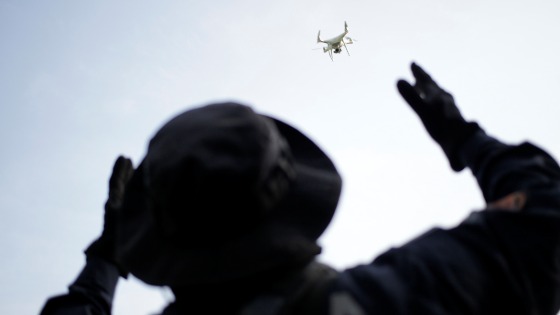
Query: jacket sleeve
[[502, 169], [495, 262], [91, 294]]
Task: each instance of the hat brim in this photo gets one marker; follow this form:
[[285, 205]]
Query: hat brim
[[288, 235]]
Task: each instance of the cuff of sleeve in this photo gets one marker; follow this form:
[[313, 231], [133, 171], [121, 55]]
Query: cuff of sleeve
[[459, 133], [97, 280], [478, 145]]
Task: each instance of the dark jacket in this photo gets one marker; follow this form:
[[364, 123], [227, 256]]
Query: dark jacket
[[503, 260]]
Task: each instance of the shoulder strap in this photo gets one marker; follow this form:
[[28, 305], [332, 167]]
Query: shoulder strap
[[302, 293], [315, 297]]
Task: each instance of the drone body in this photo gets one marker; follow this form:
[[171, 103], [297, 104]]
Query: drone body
[[335, 44]]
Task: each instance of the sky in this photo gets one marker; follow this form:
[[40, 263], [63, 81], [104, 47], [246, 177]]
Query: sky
[[82, 82]]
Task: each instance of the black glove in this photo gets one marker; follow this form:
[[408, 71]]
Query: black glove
[[104, 246], [439, 114]]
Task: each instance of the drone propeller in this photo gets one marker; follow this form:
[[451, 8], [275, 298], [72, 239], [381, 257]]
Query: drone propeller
[[349, 40]]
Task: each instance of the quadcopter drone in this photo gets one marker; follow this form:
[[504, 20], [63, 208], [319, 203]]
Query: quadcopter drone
[[335, 44]]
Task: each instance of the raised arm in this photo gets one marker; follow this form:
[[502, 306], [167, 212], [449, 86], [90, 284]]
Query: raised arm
[[504, 259], [93, 290], [510, 176]]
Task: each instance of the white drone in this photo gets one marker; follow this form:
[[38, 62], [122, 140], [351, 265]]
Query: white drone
[[335, 44]]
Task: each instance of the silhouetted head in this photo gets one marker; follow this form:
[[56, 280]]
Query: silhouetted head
[[224, 193]]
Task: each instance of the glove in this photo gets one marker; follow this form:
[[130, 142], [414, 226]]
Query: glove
[[104, 247], [439, 114]]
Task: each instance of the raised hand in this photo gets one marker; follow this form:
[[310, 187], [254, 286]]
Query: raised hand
[[104, 246], [439, 114]]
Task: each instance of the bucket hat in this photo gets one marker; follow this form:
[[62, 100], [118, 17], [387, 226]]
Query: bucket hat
[[224, 192]]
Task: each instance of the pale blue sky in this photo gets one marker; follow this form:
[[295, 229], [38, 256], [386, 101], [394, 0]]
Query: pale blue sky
[[82, 82]]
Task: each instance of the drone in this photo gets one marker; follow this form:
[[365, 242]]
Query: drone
[[335, 44]]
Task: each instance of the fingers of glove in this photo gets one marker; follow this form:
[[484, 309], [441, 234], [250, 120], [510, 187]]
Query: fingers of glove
[[425, 85], [125, 169], [122, 172], [411, 96], [433, 95], [420, 74]]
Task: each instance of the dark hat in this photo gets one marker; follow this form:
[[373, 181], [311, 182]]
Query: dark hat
[[223, 193]]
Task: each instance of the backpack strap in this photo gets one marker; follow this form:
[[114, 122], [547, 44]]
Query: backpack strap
[[301, 293], [315, 298]]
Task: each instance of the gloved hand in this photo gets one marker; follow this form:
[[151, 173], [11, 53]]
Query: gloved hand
[[439, 114], [104, 246]]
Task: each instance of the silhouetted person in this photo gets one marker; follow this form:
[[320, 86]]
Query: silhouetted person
[[227, 205]]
